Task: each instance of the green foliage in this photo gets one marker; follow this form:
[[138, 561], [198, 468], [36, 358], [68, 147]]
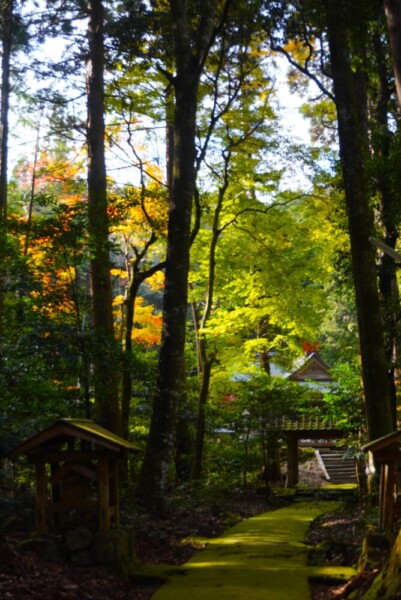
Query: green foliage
[[281, 257], [343, 403], [240, 416]]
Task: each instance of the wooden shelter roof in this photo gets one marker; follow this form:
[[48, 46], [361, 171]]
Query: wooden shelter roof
[[383, 442], [65, 429]]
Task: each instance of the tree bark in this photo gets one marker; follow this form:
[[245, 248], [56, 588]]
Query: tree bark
[[392, 10], [350, 97], [389, 197], [205, 357], [106, 407], [7, 19], [137, 278], [189, 58], [160, 446]]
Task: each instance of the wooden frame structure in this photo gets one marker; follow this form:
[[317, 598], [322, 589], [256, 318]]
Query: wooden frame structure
[[295, 430], [387, 455], [293, 442], [80, 460]]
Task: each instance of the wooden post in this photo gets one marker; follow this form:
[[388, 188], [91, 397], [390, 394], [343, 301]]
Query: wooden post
[[55, 496], [115, 490], [292, 460], [387, 481], [41, 499], [104, 495]]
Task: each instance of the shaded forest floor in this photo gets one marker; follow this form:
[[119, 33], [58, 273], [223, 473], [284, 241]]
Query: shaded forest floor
[[170, 540]]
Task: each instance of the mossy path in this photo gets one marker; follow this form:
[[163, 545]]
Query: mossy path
[[262, 557]]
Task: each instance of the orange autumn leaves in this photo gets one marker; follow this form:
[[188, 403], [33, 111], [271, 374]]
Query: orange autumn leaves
[[57, 246], [148, 325]]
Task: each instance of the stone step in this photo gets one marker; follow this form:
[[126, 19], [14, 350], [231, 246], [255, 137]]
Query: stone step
[[336, 466]]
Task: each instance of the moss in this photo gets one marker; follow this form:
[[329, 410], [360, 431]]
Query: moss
[[340, 486], [387, 584], [260, 555], [154, 574]]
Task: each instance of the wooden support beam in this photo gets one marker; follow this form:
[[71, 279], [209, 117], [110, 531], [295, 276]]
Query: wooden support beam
[[387, 456], [104, 495], [115, 491], [67, 505], [58, 456], [387, 481], [55, 496], [41, 499]]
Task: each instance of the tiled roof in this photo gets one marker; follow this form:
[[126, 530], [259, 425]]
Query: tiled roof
[[303, 423]]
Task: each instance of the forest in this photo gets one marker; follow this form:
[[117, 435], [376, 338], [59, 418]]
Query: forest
[[192, 194]]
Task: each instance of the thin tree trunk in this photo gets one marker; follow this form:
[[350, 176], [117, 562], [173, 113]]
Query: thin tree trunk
[[350, 97], [106, 411], [201, 416], [126, 387], [33, 187], [205, 358], [126, 383]]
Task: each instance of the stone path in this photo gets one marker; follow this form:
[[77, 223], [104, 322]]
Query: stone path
[[261, 558]]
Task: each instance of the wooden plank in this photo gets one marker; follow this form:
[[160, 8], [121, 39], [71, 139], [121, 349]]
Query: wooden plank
[[386, 441], [72, 467], [115, 491], [65, 505], [387, 249], [387, 455], [41, 500], [387, 480], [37, 440], [72, 429], [55, 494], [54, 456], [104, 495]]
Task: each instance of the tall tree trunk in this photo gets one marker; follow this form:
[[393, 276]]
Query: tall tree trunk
[[350, 98], [393, 15], [392, 9], [7, 19], [389, 197], [189, 58], [160, 446], [106, 407]]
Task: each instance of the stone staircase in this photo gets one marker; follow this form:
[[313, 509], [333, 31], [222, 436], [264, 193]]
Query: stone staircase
[[336, 465]]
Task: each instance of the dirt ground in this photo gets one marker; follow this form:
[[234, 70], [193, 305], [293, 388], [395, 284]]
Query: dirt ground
[[342, 532]]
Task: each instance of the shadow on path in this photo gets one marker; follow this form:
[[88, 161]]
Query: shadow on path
[[262, 557]]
